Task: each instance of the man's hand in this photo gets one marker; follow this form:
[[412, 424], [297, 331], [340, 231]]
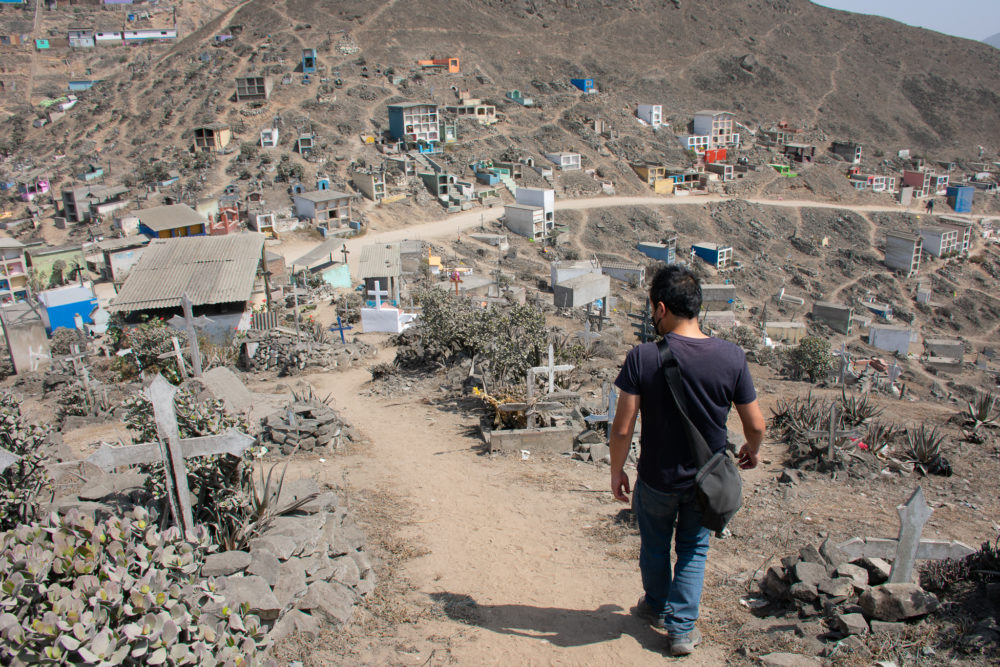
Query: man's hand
[[620, 485], [748, 457]]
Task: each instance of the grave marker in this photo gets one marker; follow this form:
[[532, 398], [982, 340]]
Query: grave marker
[[832, 433], [646, 332], [610, 403], [587, 335], [192, 336], [551, 369], [341, 328], [178, 353], [378, 293], [913, 514]]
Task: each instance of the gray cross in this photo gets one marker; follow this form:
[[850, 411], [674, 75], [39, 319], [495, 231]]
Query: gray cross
[[192, 336], [551, 369], [610, 403], [832, 433], [587, 335]]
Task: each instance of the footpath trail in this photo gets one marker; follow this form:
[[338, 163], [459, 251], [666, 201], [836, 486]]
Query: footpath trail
[[471, 220], [508, 535]]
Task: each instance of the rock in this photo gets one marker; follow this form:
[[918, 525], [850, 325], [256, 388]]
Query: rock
[[295, 621], [839, 587], [811, 554], [788, 562], [580, 456], [896, 602], [264, 564], [789, 660], [810, 573], [773, 585], [255, 592], [748, 62], [590, 437], [878, 570], [366, 585], [281, 546], [332, 603], [832, 554], [882, 627], [789, 476], [306, 531], [855, 573], [292, 490], [852, 644], [851, 624], [598, 452], [363, 562], [804, 592], [343, 538], [222, 383], [291, 581], [225, 563], [345, 570]]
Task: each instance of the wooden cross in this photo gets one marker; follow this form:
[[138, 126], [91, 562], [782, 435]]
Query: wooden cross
[[456, 278], [171, 449], [908, 548], [177, 353], [587, 335], [192, 336], [378, 293], [832, 433], [551, 369], [345, 252], [645, 332], [341, 328], [610, 403]]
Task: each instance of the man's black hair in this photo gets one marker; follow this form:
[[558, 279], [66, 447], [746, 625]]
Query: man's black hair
[[678, 289]]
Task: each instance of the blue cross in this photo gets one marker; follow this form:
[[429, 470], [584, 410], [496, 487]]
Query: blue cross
[[341, 328]]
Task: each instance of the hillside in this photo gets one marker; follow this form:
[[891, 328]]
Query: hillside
[[835, 74]]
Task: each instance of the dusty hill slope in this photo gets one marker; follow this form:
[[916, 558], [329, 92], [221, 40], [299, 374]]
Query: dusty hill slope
[[848, 76]]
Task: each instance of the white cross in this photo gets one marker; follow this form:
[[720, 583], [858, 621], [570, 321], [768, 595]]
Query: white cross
[[551, 369], [378, 293]]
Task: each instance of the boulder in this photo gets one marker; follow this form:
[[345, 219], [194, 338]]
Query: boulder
[[295, 621], [897, 602], [811, 554], [225, 563], [810, 573], [598, 452], [832, 554], [851, 624], [878, 570], [885, 628], [264, 564], [773, 585], [841, 587], [345, 570], [855, 573], [291, 581], [281, 546], [253, 591], [332, 603], [804, 592]]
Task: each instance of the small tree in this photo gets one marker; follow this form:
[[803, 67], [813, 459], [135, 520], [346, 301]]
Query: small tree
[[22, 481], [811, 358]]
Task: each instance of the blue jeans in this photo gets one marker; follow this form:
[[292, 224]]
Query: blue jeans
[[675, 594]]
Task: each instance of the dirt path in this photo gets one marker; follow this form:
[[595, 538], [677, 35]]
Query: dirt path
[[508, 534]]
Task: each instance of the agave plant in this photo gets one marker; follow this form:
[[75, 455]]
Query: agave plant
[[984, 410], [858, 408], [879, 436], [923, 447]]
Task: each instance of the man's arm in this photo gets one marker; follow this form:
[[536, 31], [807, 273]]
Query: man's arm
[[753, 431], [620, 441]]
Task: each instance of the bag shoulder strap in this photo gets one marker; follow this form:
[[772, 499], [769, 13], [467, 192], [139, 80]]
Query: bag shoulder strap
[[672, 373]]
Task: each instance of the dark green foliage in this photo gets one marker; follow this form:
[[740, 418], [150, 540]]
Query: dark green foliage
[[25, 479], [982, 566], [811, 358]]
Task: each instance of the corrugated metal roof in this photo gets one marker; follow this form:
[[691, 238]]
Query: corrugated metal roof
[[321, 253], [210, 269], [379, 261], [161, 218]]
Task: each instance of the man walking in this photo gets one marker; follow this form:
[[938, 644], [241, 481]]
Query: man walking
[[715, 377]]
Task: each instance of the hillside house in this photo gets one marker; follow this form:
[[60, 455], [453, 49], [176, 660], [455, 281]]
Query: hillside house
[[543, 197], [873, 182], [269, 137], [416, 124], [56, 265], [218, 274], [82, 204], [308, 61], [698, 143], [902, 252], [964, 229], [665, 252], [926, 183], [586, 85], [960, 198], [715, 254], [789, 333], [474, 109], [381, 263], [81, 38], [718, 126], [324, 208], [120, 255], [651, 114], [253, 87], [370, 183], [13, 271], [518, 98], [778, 135], [31, 184], [263, 223], [212, 137], [799, 152], [227, 220], [528, 221], [892, 338], [834, 315], [939, 240], [171, 221], [60, 306], [565, 161], [726, 172], [656, 177], [847, 150], [718, 296], [627, 272]]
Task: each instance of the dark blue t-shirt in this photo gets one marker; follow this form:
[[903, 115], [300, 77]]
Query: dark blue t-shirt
[[715, 376]]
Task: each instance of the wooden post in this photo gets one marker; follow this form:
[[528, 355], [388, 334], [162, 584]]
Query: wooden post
[[161, 393], [192, 336]]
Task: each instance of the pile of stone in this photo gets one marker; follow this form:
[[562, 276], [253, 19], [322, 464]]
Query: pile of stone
[[305, 572], [853, 596], [274, 351], [591, 445], [304, 426]]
